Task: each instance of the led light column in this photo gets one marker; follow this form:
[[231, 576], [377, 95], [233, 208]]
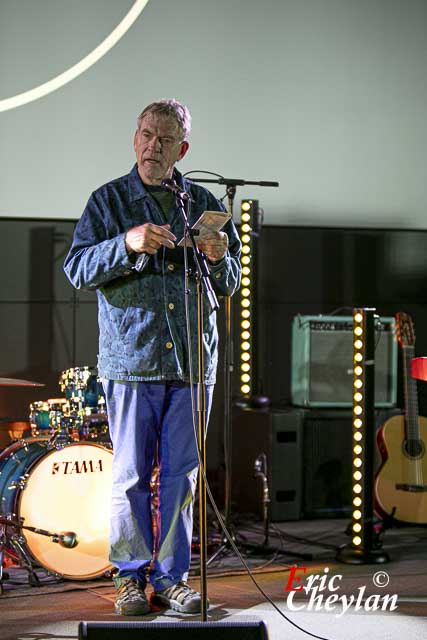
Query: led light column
[[363, 548], [248, 377]]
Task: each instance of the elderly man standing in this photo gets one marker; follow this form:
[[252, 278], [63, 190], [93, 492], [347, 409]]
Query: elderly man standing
[[124, 247]]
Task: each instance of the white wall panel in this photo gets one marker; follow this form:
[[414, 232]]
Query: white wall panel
[[326, 96]]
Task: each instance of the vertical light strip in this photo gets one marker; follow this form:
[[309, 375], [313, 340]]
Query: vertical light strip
[[248, 211], [362, 537], [359, 388], [361, 549]]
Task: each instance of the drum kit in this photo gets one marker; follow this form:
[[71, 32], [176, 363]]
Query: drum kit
[[55, 485]]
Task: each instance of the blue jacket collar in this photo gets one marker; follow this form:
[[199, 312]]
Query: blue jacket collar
[[137, 189]]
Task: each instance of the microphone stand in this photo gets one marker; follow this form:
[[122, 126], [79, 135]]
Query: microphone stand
[[264, 548], [231, 186], [203, 284], [12, 538]]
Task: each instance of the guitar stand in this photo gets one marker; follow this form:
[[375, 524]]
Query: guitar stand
[[386, 523]]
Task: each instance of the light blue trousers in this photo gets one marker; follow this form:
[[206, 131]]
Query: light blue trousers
[[148, 419]]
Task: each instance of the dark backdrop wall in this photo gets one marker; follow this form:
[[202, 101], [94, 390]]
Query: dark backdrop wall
[[322, 271], [46, 327]]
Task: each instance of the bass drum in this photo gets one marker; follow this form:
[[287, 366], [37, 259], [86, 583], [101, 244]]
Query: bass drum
[[60, 490]]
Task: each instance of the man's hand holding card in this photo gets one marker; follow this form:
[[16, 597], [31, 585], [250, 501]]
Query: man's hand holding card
[[210, 240]]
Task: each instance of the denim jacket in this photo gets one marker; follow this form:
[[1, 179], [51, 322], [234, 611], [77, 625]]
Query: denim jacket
[[141, 307]]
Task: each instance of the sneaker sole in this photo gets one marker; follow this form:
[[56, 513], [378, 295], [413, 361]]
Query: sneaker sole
[[129, 609], [190, 607]]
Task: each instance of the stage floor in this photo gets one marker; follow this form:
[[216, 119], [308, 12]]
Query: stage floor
[[383, 601]]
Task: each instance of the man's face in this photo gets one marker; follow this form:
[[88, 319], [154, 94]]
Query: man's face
[[158, 146]]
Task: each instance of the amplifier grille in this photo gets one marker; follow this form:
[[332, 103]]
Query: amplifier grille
[[322, 362]]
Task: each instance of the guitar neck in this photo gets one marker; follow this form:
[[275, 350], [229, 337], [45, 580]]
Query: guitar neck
[[411, 395]]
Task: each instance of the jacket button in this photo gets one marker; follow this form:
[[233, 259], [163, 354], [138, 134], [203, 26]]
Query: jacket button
[[171, 305], [171, 267], [169, 345], [218, 275]]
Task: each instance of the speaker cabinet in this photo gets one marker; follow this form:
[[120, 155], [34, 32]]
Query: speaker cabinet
[[309, 461], [179, 630], [322, 362], [327, 463], [278, 435], [328, 460]]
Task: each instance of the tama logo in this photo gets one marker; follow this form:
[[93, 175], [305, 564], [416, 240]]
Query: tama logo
[[68, 467]]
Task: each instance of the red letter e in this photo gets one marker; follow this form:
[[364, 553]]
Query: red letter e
[[293, 577]]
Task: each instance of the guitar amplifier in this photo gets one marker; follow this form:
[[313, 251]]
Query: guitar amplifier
[[322, 362]]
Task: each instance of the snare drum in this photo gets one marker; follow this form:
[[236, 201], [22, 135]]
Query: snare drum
[[60, 490]]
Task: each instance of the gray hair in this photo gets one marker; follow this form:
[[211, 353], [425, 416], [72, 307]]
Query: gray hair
[[171, 109]]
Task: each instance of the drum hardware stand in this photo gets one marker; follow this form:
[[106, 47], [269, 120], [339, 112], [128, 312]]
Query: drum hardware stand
[[260, 471], [11, 536], [60, 439], [203, 285], [263, 549]]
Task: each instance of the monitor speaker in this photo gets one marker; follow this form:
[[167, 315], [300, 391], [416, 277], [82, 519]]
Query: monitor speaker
[[322, 362], [179, 630]]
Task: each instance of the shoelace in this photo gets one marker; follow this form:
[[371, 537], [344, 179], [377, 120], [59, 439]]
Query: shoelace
[[180, 592], [130, 590]]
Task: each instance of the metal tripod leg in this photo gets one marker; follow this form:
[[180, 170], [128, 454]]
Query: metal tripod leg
[[27, 564], [3, 575], [263, 549], [12, 538]]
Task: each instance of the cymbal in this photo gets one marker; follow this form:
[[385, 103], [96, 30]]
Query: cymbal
[[13, 382]]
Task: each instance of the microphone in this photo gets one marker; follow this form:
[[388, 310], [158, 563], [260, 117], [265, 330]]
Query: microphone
[[67, 539], [171, 185]]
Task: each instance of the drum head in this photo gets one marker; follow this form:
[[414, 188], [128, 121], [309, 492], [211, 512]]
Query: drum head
[[70, 490]]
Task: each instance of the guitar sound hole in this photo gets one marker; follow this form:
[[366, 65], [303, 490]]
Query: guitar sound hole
[[413, 448]]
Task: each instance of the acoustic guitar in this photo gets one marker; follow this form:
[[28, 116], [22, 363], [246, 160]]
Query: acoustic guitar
[[401, 482]]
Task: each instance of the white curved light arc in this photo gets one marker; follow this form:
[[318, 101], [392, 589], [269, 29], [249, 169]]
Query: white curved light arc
[[81, 66]]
